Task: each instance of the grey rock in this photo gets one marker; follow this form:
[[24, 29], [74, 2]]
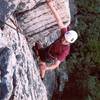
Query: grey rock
[[7, 62], [19, 74], [7, 7]]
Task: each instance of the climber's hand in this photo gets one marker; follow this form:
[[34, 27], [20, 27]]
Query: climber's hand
[[47, 68], [49, 2]]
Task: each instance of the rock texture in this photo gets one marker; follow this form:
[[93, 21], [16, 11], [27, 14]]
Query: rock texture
[[40, 24], [19, 75], [36, 18]]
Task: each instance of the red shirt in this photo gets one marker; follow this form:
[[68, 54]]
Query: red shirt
[[57, 49]]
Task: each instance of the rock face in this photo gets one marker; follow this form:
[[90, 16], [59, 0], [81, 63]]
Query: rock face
[[19, 75], [36, 18]]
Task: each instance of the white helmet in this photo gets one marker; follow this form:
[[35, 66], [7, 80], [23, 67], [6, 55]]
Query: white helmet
[[71, 36]]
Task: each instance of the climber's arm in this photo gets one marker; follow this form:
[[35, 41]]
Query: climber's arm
[[57, 16], [54, 66]]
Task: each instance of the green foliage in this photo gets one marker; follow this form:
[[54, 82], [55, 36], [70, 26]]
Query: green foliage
[[90, 5], [89, 30], [87, 48], [94, 46]]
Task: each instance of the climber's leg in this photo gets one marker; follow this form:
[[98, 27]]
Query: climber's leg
[[42, 68]]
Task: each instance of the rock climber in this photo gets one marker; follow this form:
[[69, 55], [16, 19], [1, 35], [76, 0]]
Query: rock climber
[[59, 50]]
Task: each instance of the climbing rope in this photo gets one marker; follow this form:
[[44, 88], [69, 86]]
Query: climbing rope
[[7, 24], [21, 13]]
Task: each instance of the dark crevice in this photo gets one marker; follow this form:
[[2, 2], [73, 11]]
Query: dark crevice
[[14, 85], [42, 30]]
